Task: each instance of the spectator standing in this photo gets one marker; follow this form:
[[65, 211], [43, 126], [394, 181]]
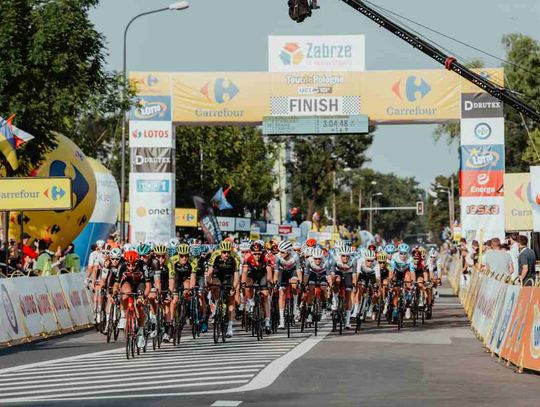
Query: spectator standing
[[514, 251], [497, 260], [28, 253], [43, 265], [526, 262]]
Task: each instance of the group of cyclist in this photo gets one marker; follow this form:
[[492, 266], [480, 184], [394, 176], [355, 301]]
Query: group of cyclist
[[159, 275]]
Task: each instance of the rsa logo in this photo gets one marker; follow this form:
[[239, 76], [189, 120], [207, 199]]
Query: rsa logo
[[483, 209]]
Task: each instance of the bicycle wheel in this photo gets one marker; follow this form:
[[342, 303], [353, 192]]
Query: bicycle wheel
[[217, 321], [274, 313], [116, 321], [181, 312], [110, 324], [340, 314], [130, 331], [224, 323], [195, 316], [316, 308]]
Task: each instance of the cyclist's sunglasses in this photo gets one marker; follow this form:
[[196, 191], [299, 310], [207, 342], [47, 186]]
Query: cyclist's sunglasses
[[256, 253], [283, 253], [403, 253]]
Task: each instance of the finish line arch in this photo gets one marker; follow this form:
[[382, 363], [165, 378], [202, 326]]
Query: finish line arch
[[169, 99]]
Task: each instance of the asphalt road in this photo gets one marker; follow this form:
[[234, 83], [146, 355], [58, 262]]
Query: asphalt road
[[440, 363]]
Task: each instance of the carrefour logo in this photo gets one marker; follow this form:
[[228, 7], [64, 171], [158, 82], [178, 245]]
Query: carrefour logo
[[55, 193], [413, 90], [291, 54], [220, 91]]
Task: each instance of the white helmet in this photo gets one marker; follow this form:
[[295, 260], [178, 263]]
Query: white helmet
[[317, 253], [174, 242], [297, 245], [308, 251], [346, 251], [100, 244], [127, 247], [245, 246], [369, 254], [285, 246]]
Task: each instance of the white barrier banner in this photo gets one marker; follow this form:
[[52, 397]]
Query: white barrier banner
[[485, 304], [58, 301], [79, 304], [11, 318], [498, 334], [36, 307]]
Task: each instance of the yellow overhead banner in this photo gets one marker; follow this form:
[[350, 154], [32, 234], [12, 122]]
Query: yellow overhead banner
[[518, 202], [186, 217], [35, 194], [416, 96], [495, 75]]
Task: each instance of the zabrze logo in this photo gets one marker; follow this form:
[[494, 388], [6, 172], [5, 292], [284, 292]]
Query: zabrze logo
[[482, 131], [221, 87], [9, 310], [413, 89], [291, 54]]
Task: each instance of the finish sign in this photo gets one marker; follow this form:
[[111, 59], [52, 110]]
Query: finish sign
[[313, 125], [35, 194]]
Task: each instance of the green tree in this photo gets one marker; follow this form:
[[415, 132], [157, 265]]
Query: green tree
[[52, 75], [224, 156], [315, 158]]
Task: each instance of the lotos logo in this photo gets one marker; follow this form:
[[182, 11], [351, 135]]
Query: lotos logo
[[482, 158], [220, 91], [414, 88], [535, 334], [291, 54], [138, 134]]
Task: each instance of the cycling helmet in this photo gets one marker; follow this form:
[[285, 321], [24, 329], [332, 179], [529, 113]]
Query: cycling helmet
[[171, 251], [297, 246], [382, 257], [269, 245], [245, 246], [127, 247], [433, 253], [100, 244], [285, 246], [372, 247], [183, 249], [390, 249], [423, 252], [256, 247], [339, 244], [369, 254], [195, 250], [144, 249], [404, 248], [308, 251], [346, 251], [131, 257], [174, 242], [225, 246], [115, 254], [160, 250], [317, 253], [311, 242]]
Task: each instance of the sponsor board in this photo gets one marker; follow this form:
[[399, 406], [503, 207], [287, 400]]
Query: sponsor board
[[535, 197], [150, 134], [151, 108], [315, 105], [482, 131], [498, 334], [152, 209], [482, 157], [482, 214], [518, 201], [480, 105], [316, 53], [285, 229], [481, 183], [152, 159], [242, 224], [151, 83], [185, 217], [226, 224], [35, 193]]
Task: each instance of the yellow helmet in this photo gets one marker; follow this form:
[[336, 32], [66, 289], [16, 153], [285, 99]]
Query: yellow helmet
[[160, 250], [183, 249], [225, 246], [423, 252], [382, 256]]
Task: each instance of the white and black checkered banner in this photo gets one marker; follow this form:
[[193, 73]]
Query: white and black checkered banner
[[314, 105]]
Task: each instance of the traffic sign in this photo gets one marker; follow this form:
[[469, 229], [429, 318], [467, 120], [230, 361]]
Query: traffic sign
[[35, 194], [312, 125], [420, 208]]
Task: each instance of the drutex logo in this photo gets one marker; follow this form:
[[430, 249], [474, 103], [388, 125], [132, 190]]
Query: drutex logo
[[220, 91], [411, 91]]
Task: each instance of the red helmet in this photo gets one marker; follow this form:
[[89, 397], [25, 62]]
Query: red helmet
[[256, 247], [311, 243], [131, 256]]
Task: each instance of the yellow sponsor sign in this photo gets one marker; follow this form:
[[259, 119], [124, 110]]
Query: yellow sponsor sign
[[35, 194], [495, 75], [186, 217], [518, 202], [151, 83]]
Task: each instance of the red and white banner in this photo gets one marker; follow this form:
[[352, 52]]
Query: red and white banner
[[78, 299], [37, 310], [58, 301], [482, 183], [11, 318]]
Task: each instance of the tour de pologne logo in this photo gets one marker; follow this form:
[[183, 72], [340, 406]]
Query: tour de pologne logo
[[291, 54], [10, 311]]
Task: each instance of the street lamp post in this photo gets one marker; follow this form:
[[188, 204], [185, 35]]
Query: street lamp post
[[371, 212], [451, 210], [182, 5]]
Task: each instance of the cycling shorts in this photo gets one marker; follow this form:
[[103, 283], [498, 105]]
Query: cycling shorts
[[258, 278], [367, 279], [315, 278]]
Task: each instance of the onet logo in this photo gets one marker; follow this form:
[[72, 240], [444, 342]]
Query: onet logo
[[414, 89], [220, 91], [142, 211], [291, 54]]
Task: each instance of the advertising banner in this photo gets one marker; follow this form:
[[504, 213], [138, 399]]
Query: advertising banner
[[35, 193], [535, 197], [185, 217], [77, 297], [518, 202], [37, 310], [320, 53], [151, 83], [482, 157], [58, 301], [517, 335], [242, 224], [531, 334], [502, 322], [208, 221], [152, 159], [152, 207], [482, 213], [482, 183], [482, 131], [150, 134], [152, 108], [480, 105], [226, 224], [486, 306], [11, 318]]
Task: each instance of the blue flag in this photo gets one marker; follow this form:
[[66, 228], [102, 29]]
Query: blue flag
[[220, 201]]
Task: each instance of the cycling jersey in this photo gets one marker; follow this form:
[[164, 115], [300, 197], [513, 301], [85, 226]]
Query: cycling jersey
[[257, 268], [433, 267], [287, 267], [368, 271], [181, 272], [400, 267], [345, 270], [161, 273], [111, 274], [96, 258], [314, 271], [224, 269]]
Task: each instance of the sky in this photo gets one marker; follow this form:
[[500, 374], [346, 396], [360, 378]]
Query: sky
[[231, 35]]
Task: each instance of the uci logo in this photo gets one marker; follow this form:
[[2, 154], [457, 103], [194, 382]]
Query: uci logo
[[220, 91], [414, 88]]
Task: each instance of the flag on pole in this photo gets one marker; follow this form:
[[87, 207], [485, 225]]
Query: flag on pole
[[8, 146], [220, 199]]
